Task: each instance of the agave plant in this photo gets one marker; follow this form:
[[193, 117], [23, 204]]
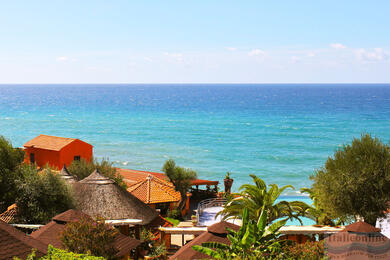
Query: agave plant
[[257, 197], [254, 239]]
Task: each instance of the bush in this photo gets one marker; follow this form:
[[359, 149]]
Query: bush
[[41, 196], [309, 250], [175, 214], [356, 180], [82, 168], [59, 254], [88, 236], [10, 159]]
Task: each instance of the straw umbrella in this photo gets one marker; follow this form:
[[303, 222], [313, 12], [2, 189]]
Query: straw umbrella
[[215, 233], [97, 195], [358, 241], [65, 174]]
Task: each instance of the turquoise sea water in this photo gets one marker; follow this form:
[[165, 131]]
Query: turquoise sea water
[[281, 133]]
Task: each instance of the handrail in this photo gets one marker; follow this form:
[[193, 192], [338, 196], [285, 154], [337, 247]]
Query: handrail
[[207, 203]]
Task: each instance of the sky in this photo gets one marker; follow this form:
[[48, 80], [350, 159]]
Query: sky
[[202, 41]]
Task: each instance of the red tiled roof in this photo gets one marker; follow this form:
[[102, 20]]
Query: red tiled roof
[[9, 215], [48, 142], [154, 190], [133, 176], [15, 243]]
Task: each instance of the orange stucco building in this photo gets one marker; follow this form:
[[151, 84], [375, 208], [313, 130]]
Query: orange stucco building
[[56, 151]]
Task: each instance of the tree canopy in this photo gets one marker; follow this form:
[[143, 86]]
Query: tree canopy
[[10, 159], [82, 168], [180, 177], [41, 196], [356, 180], [88, 236]]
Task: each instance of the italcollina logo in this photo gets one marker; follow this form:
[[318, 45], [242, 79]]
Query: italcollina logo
[[355, 245], [363, 237]]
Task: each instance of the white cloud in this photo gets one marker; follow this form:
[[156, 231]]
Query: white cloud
[[65, 58], [231, 48], [338, 46], [256, 52], [377, 54], [311, 54], [62, 58], [295, 59], [176, 56]]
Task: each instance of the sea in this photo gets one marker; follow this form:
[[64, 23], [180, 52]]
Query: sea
[[281, 133]]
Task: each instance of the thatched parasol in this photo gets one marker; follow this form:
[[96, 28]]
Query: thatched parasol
[[98, 195], [215, 233], [65, 174]]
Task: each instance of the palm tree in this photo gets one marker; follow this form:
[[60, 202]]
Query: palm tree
[[254, 240], [181, 179], [255, 197]]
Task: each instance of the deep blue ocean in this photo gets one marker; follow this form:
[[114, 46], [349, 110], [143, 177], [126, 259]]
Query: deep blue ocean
[[282, 133]]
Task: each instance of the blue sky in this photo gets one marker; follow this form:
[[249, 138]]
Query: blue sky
[[194, 41]]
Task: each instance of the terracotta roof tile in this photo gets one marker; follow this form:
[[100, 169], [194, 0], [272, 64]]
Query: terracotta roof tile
[[133, 176], [48, 142], [154, 190], [15, 243], [9, 215]]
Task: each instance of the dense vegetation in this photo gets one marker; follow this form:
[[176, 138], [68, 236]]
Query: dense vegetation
[[10, 159], [258, 196], [41, 195], [82, 168], [88, 236], [254, 240], [59, 254], [356, 180], [181, 179]]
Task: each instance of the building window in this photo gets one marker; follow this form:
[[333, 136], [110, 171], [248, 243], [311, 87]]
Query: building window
[[76, 158], [32, 158]]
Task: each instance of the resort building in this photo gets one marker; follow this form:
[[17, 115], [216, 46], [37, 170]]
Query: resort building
[[156, 192], [139, 186], [56, 151]]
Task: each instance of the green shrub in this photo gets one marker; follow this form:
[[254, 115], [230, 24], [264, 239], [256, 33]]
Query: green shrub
[[10, 159], [309, 250], [59, 254], [355, 181], [41, 196], [81, 169], [175, 214], [88, 236]]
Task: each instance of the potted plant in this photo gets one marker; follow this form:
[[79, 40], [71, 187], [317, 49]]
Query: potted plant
[[228, 182], [194, 219]]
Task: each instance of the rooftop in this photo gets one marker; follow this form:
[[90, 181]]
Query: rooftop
[[154, 190], [48, 142], [15, 243]]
